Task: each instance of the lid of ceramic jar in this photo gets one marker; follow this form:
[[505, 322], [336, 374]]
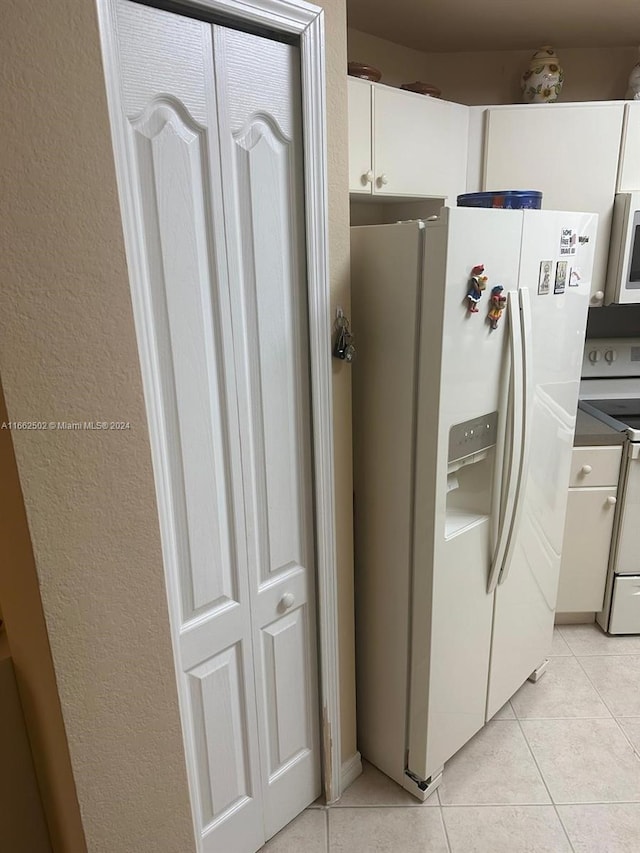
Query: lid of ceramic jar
[[545, 54]]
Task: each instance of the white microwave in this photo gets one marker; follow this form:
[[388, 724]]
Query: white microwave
[[623, 271]]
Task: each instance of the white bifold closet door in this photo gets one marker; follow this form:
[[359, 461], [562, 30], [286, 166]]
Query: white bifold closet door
[[214, 136]]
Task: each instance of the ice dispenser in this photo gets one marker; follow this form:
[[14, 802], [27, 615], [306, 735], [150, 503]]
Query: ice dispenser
[[470, 471]]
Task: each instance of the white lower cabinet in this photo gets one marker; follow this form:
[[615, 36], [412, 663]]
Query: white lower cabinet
[[588, 528]]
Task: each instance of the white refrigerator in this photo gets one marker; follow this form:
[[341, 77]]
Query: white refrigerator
[[463, 436]]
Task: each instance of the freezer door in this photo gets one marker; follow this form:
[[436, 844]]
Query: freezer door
[[463, 375], [555, 278]]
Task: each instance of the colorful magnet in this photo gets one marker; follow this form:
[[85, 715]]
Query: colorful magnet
[[477, 283], [496, 306]]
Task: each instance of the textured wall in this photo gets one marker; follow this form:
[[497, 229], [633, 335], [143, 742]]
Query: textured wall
[[337, 144], [29, 647], [493, 77], [68, 353]]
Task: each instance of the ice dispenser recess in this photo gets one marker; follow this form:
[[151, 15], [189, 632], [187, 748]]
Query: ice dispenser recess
[[470, 472]]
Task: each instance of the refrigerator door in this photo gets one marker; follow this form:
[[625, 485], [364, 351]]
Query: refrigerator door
[[463, 380], [555, 278]]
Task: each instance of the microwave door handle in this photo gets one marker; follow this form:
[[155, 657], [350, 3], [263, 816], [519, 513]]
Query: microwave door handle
[[513, 463], [525, 441]]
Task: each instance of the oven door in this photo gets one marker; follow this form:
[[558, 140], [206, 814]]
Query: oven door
[[627, 551]]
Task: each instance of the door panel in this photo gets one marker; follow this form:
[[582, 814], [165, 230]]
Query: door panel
[[360, 135], [215, 168], [261, 135], [170, 156], [526, 597], [220, 731], [585, 553]]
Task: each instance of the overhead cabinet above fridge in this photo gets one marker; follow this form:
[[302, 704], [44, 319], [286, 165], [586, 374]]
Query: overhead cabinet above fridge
[[405, 144], [462, 450], [570, 152]]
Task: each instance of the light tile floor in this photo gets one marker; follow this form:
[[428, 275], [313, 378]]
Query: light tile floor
[[557, 770]]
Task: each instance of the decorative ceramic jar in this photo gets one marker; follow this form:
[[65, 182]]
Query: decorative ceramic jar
[[633, 92], [542, 82]]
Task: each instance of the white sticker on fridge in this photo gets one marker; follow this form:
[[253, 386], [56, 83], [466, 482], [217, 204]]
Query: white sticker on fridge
[[568, 242], [544, 277]]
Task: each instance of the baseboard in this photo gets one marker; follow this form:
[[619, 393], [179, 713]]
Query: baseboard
[[350, 770], [574, 618]]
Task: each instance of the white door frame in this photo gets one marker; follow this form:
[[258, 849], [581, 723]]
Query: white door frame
[[300, 19]]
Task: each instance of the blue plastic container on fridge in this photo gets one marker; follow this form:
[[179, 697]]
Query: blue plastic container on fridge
[[507, 199]]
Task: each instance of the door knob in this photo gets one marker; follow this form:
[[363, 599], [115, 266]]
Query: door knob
[[383, 179], [367, 178], [287, 600], [612, 501], [586, 469]]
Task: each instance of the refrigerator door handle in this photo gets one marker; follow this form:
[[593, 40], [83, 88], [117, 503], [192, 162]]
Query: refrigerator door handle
[[527, 386], [516, 409]]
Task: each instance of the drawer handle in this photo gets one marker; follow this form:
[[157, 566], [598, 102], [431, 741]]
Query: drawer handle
[[586, 469], [612, 501]]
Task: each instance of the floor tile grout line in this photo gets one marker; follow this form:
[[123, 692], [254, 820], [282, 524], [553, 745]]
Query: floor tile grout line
[[326, 826], [444, 827], [544, 782], [604, 702]]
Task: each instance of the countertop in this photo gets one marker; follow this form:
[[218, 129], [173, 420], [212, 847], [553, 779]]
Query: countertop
[[591, 432]]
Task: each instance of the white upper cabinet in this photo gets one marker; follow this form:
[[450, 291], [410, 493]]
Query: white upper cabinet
[[629, 174], [569, 152], [404, 144]]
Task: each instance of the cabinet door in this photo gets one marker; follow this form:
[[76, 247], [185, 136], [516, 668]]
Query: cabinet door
[[569, 152], [629, 175], [419, 145], [360, 159], [585, 553]]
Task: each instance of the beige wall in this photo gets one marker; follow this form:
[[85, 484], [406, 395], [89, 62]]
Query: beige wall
[[68, 352], [493, 77], [29, 648], [337, 143]]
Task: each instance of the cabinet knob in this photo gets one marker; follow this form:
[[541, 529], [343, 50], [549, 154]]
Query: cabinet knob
[[383, 179], [598, 297], [612, 501], [367, 178], [586, 469], [610, 356], [287, 601]]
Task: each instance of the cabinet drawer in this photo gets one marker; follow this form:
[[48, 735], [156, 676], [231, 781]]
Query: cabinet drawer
[[595, 466]]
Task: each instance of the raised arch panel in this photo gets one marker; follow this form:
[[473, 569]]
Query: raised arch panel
[[171, 159], [274, 281]]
